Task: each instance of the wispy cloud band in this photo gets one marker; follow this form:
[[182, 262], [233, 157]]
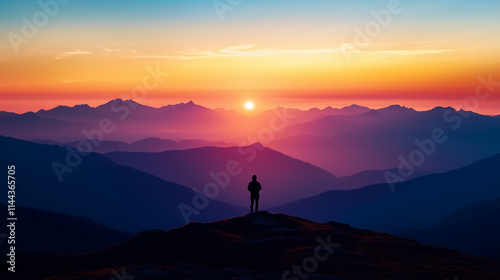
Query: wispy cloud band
[[64, 55], [251, 50]]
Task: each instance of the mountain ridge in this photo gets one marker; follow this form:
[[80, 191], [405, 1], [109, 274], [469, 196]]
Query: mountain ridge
[[479, 236], [284, 178], [416, 204], [116, 196]]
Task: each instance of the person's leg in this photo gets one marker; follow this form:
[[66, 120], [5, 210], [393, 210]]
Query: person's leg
[[251, 204], [256, 204]]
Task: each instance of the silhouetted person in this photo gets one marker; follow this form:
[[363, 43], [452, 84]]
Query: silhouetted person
[[254, 188]]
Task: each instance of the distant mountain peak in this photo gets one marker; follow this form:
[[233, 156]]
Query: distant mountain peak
[[31, 115], [396, 108], [258, 145], [355, 106], [355, 109], [315, 109], [129, 102], [121, 100], [185, 106], [190, 104], [107, 104], [81, 106], [441, 108]]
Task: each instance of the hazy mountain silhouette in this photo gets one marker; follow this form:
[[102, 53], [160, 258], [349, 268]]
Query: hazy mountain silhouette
[[471, 230], [150, 145], [372, 177], [284, 179], [371, 120], [5, 115], [265, 246], [304, 116], [77, 113], [116, 196], [133, 121], [130, 119], [345, 145], [342, 141], [50, 142], [416, 204], [30, 126], [47, 232]]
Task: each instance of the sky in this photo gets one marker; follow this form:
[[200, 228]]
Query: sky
[[292, 53]]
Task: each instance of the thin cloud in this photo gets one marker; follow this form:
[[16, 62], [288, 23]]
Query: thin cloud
[[251, 50], [411, 52], [349, 48], [119, 51], [64, 55], [239, 51]]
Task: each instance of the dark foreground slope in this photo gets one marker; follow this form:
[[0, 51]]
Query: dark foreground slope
[[41, 232], [263, 246]]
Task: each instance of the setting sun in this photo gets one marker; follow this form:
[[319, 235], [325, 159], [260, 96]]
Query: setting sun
[[249, 105]]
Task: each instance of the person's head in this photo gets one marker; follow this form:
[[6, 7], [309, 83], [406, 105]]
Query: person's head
[[254, 178]]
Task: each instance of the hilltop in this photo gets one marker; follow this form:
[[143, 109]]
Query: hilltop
[[264, 246]]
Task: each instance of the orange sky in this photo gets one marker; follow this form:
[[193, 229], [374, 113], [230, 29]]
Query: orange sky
[[276, 62]]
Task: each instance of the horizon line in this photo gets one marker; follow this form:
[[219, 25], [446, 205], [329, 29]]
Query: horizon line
[[253, 113]]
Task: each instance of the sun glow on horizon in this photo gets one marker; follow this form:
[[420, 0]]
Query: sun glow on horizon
[[249, 105]]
